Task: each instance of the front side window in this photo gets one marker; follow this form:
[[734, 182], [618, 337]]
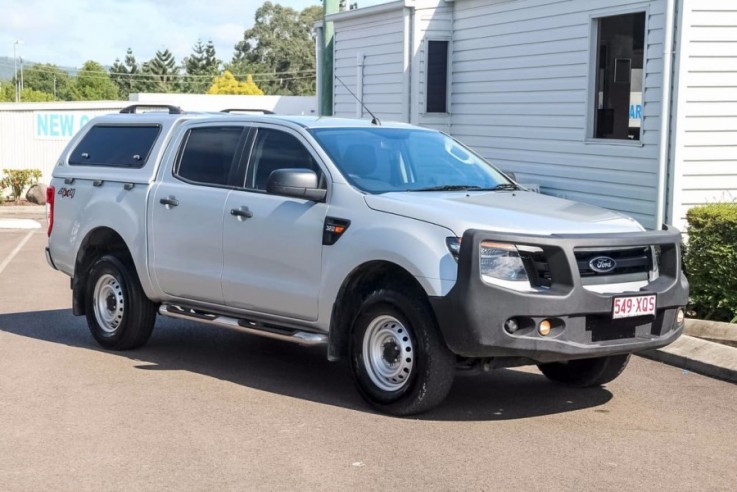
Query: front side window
[[115, 146], [208, 155], [380, 160], [275, 149], [619, 76]]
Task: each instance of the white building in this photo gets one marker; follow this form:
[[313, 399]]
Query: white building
[[580, 96]]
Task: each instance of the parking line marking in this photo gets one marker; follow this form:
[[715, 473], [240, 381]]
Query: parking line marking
[[17, 249]]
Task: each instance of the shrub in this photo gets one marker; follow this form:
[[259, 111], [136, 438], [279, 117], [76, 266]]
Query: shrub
[[19, 179], [710, 261]]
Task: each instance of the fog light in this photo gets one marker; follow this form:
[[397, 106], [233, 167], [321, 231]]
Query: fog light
[[511, 325], [680, 316], [544, 328]]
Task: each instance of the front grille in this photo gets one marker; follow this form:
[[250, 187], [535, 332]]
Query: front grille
[[631, 264]]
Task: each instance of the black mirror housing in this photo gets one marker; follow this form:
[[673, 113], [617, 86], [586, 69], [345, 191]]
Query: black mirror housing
[[295, 183]]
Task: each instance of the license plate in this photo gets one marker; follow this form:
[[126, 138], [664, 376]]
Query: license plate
[[629, 307]]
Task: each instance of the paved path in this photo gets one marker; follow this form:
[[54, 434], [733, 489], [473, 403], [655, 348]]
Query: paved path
[[203, 408]]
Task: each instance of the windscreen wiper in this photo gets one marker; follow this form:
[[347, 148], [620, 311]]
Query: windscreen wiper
[[449, 188], [499, 187], [505, 187]]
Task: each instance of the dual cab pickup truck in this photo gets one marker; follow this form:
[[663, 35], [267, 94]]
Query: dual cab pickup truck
[[396, 247]]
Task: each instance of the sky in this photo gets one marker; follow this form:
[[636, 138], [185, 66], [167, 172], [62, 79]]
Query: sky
[[70, 32]]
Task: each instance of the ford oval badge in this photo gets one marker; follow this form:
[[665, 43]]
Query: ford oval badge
[[602, 264]]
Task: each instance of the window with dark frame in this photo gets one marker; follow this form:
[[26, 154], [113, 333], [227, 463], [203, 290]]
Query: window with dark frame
[[437, 77], [115, 146], [208, 155], [619, 76], [272, 150]]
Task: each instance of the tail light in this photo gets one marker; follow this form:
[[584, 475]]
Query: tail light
[[50, 194]]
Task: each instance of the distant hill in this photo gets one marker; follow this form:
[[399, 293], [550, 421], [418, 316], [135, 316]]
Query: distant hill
[[6, 67]]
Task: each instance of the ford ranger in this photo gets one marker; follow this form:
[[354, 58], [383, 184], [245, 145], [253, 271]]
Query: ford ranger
[[396, 247]]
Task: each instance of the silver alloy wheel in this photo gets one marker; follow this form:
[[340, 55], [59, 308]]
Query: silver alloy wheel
[[388, 353], [108, 303]]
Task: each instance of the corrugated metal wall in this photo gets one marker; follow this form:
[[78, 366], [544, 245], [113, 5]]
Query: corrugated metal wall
[[26, 144]]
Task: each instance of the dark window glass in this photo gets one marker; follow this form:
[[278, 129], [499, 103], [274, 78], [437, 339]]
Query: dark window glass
[[437, 77], [274, 150], [115, 145], [208, 154], [620, 50]]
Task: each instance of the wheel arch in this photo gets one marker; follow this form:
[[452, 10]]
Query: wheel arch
[[361, 281], [98, 242]]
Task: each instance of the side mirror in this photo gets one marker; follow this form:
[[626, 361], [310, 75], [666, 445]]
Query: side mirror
[[295, 183]]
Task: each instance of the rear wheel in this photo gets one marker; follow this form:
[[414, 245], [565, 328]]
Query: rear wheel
[[119, 315], [400, 364], [586, 372]]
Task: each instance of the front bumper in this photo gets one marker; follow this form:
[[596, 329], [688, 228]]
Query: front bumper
[[472, 316]]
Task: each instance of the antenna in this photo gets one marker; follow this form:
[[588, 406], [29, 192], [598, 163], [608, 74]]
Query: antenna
[[375, 120]]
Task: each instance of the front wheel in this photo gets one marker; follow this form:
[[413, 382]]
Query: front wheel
[[586, 372], [400, 364], [119, 315]]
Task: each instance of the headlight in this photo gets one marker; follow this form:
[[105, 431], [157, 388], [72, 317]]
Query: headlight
[[501, 261]]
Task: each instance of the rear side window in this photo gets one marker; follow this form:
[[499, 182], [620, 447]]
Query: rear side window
[[208, 155], [115, 146]]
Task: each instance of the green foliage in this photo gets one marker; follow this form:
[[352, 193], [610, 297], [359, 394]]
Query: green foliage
[[18, 180], [710, 260], [49, 79], [125, 75], [162, 71], [280, 47], [93, 83], [200, 68], [7, 94], [227, 84]]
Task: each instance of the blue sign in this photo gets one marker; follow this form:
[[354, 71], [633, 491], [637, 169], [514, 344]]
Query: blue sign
[[58, 125]]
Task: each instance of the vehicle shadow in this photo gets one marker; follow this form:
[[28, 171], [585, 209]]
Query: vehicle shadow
[[304, 373]]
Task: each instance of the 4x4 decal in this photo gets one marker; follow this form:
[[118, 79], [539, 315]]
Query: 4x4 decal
[[66, 192]]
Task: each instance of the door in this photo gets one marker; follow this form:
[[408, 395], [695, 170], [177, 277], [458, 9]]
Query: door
[[272, 245], [187, 209]]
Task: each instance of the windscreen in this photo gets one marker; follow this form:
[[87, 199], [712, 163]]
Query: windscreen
[[380, 160]]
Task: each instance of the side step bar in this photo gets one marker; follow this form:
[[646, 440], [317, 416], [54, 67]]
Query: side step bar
[[245, 326]]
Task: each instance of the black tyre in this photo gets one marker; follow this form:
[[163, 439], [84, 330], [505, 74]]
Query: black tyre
[[119, 314], [400, 364], [586, 372]]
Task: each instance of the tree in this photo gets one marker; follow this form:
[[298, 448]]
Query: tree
[[227, 84], [200, 68], [7, 94], [126, 75], [93, 83], [163, 71], [280, 48], [49, 79]]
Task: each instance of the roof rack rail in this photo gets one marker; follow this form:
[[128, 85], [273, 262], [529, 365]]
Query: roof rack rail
[[246, 110], [133, 107]]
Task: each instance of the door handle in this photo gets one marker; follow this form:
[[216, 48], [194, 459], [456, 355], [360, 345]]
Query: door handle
[[241, 213], [169, 201]]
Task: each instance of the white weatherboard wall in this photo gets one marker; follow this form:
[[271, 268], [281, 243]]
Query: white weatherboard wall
[[375, 38], [706, 130], [521, 86], [432, 21]]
